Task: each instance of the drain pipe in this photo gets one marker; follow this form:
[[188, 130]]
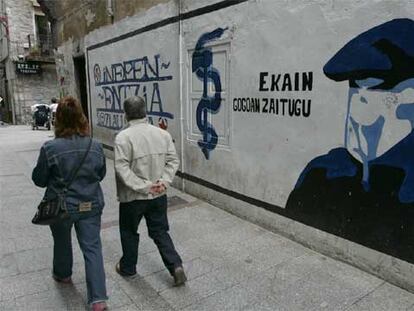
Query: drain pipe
[[181, 61], [110, 10]]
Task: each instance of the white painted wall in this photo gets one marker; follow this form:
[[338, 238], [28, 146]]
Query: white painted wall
[[265, 153], [259, 155]]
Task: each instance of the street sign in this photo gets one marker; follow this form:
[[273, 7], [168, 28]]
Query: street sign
[[28, 68]]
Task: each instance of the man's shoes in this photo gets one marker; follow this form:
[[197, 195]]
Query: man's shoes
[[67, 280], [99, 306], [121, 273], [179, 276]]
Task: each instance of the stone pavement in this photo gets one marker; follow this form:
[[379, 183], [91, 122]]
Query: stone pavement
[[231, 264]]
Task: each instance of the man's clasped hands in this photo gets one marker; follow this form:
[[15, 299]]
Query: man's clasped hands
[[158, 187]]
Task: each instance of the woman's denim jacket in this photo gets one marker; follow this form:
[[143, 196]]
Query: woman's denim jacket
[[56, 163]]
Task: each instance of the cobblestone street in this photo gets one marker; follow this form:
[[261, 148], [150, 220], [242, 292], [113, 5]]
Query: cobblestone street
[[231, 264]]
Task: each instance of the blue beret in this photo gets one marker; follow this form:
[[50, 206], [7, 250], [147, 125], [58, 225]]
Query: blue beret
[[385, 52]]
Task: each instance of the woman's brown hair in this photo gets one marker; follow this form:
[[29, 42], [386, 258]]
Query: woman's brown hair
[[70, 119]]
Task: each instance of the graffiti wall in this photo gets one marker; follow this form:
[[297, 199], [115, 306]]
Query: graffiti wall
[[321, 126], [302, 108], [144, 65]]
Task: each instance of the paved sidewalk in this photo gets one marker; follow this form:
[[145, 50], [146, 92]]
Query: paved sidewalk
[[231, 264]]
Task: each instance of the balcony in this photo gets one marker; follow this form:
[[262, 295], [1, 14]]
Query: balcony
[[37, 48]]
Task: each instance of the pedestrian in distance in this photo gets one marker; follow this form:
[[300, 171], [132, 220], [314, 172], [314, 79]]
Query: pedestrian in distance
[[53, 107], [145, 165], [58, 159]]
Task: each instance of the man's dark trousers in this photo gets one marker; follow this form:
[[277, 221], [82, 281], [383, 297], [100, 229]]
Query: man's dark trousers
[[155, 213]]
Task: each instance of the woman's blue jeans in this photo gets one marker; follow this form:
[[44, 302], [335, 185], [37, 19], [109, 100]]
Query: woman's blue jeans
[[87, 226]]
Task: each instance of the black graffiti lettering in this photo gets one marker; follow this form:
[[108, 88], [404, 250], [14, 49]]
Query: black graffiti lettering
[[277, 106], [266, 101], [283, 101], [287, 83], [273, 105], [306, 108], [235, 104], [262, 81], [293, 108], [272, 108], [246, 104], [298, 107], [243, 104], [275, 81], [296, 81], [256, 104], [307, 81]]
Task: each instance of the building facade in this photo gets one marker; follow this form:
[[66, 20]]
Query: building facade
[[293, 114], [28, 72]]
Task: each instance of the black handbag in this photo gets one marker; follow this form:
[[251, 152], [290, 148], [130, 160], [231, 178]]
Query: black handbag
[[54, 210]]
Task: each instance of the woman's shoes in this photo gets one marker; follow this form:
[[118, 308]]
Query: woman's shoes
[[67, 280], [99, 306]]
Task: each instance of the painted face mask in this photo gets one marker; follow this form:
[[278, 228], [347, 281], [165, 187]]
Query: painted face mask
[[374, 119]]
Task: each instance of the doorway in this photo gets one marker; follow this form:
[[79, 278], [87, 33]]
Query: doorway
[[80, 76]]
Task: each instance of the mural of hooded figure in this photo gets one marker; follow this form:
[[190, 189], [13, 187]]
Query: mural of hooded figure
[[364, 191], [373, 124]]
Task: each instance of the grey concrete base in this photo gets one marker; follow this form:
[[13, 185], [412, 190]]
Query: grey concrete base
[[389, 268]]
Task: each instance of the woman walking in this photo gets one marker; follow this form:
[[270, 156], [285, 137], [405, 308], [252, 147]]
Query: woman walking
[[58, 161]]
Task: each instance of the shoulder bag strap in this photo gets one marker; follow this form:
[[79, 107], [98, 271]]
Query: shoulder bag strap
[[78, 168]]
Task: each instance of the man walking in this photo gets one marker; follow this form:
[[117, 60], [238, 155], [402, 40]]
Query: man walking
[[145, 164]]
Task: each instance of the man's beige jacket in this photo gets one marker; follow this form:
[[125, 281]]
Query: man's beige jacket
[[144, 154]]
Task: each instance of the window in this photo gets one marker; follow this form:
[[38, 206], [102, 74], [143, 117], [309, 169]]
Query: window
[[220, 119], [42, 29]]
